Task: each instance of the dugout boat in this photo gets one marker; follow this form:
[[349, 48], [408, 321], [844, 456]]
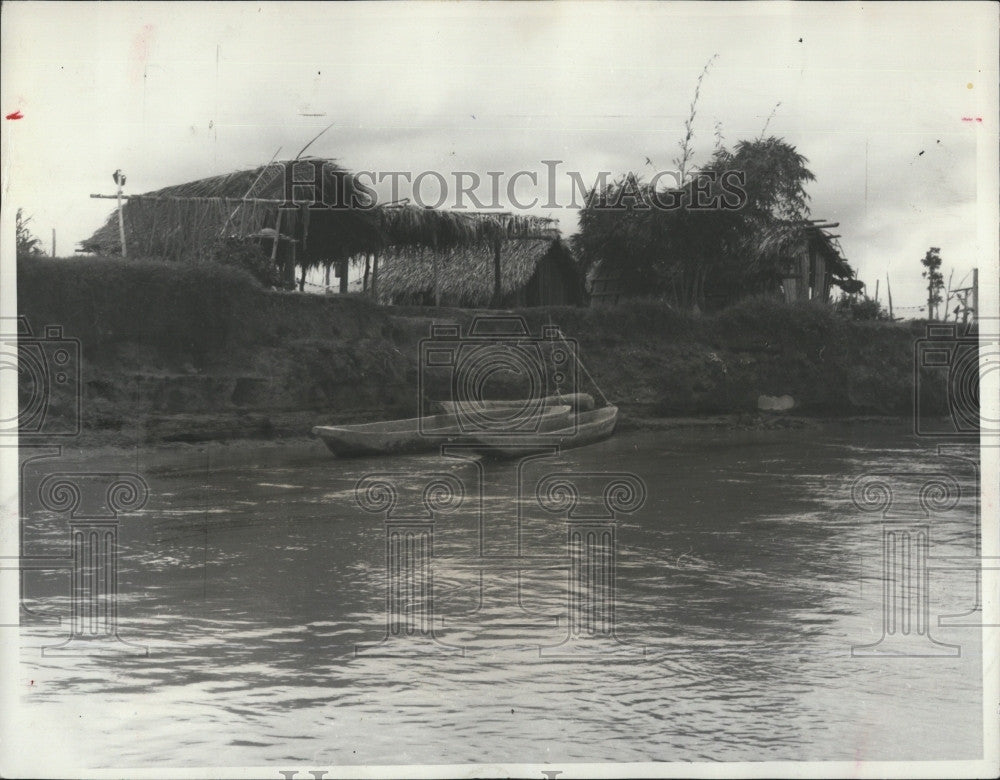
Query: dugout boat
[[578, 402], [415, 435], [589, 427]]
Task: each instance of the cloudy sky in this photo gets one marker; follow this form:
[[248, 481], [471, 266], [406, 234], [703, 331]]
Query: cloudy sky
[[885, 100]]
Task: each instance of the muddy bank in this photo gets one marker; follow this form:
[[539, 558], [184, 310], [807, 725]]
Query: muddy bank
[[173, 353]]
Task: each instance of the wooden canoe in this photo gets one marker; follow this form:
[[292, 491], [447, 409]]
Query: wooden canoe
[[579, 402], [593, 426], [399, 437]]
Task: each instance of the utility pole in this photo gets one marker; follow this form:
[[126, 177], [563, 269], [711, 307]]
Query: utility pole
[[119, 178], [53, 242], [975, 294], [888, 290]]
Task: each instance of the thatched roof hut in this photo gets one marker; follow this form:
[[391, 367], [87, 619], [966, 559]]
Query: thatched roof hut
[[534, 272], [799, 259], [185, 221], [337, 221], [811, 257]]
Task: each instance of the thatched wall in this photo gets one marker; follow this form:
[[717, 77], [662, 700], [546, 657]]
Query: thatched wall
[[534, 272]]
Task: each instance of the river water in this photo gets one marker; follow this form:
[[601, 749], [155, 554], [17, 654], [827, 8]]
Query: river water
[[740, 587]]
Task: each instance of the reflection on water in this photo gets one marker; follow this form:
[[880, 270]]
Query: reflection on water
[[742, 584]]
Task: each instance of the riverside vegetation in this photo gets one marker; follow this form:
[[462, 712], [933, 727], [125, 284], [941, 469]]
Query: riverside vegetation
[[178, 352]]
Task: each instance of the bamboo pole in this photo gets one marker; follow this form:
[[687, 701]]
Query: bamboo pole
[[302, 233], [249, 190], [947, 296], [277, 236], [192, 198], [975, 294]]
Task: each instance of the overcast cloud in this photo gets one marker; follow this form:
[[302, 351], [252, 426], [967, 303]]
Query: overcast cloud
[[879, 98]]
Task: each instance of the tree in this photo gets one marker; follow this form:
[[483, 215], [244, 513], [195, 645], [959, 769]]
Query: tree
[[860, 307], [684, 253], [28, 244], [680, 250], [935, 280]]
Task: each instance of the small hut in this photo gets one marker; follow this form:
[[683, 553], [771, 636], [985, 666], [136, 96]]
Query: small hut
[[813, 263], [535, 272]]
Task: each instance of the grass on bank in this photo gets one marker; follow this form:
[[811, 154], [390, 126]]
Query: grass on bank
[[322, 351]]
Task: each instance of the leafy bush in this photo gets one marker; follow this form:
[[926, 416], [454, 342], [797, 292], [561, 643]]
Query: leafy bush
[[248, 256], [861, 308], [28, 244]]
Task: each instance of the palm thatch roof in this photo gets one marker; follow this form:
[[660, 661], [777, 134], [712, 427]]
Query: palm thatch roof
[[792, 237], [413, 226], [465, 273], [185, 220]]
